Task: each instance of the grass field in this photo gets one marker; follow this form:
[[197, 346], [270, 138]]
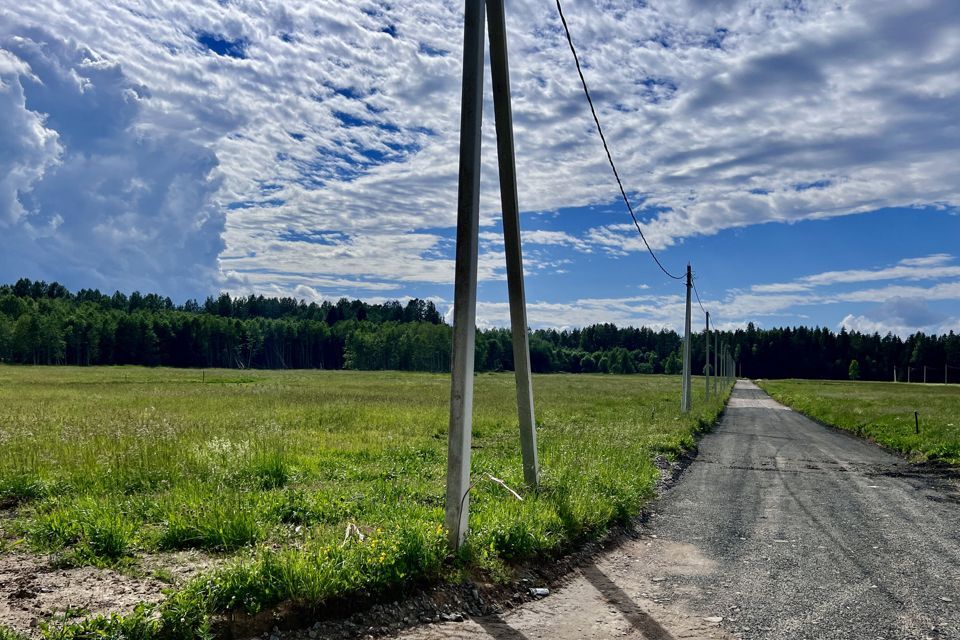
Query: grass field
[[106, 466], [882, 411]]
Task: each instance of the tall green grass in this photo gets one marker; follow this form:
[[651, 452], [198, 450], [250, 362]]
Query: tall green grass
[[883, 412], [107, 464]]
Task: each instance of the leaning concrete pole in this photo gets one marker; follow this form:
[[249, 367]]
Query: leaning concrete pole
[[500, 74], [465, 277], [706, 369], [685, 401]]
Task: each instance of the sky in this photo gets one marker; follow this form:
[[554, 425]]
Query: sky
[[802, 156]]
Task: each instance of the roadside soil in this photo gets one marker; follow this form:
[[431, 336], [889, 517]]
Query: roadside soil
[[33, 588]]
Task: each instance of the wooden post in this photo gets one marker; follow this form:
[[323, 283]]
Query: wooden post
[[465, 277], [500, 74]]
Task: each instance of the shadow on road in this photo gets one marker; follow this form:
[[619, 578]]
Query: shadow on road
[[637, 617], [496, 628]]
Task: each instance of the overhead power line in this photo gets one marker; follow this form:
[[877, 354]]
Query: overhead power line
[[694, 282], [613, 166]]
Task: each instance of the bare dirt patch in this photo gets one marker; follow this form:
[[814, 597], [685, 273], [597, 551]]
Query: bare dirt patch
[[32, 590]]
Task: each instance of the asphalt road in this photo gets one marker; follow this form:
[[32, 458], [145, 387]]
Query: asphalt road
[[781, 527]]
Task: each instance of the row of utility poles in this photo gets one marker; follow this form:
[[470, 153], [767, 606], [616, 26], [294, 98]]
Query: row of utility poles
[[723, 366]]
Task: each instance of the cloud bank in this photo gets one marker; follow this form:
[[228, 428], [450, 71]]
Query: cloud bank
[[263, 147]]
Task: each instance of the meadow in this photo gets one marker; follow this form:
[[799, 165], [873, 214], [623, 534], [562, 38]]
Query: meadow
[[882, 412], [266, 471]]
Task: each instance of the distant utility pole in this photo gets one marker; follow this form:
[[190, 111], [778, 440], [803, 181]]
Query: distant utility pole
[[908, 373], [720, 370], [723, 362], [924, 374], [706, 369], [686, 392], [894, 373], [716, 361], [465, 272]]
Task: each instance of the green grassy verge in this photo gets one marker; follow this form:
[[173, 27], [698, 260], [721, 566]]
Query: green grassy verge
[[6, 633], [269, 469], [882, 411]]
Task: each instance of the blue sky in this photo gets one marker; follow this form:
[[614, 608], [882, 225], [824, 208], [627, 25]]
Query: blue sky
[[803, 156]]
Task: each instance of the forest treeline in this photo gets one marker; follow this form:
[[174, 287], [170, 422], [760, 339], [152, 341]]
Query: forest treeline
[[43, 323]]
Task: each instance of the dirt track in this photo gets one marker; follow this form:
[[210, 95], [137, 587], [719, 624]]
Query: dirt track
[[782, 527]]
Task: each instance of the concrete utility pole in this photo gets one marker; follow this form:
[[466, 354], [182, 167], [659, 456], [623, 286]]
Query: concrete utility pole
[[685, 400], [500, 73], [465, 277], [720, 364], [465, 283], [924, 374], [894, 373], [716, 361], [706, 368], [723, 362], [945, 372]]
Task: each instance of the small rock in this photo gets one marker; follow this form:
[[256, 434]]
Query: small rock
[[539, 592], [713, 619], [946, 599]]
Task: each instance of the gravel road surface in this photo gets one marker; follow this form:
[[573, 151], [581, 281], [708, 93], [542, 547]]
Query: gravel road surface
[[781, 528]]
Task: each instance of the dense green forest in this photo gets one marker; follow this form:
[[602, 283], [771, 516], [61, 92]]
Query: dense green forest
[[44, 323]]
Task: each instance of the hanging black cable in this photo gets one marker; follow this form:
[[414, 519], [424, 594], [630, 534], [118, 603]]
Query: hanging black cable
[[694, 282], [616, 174]]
